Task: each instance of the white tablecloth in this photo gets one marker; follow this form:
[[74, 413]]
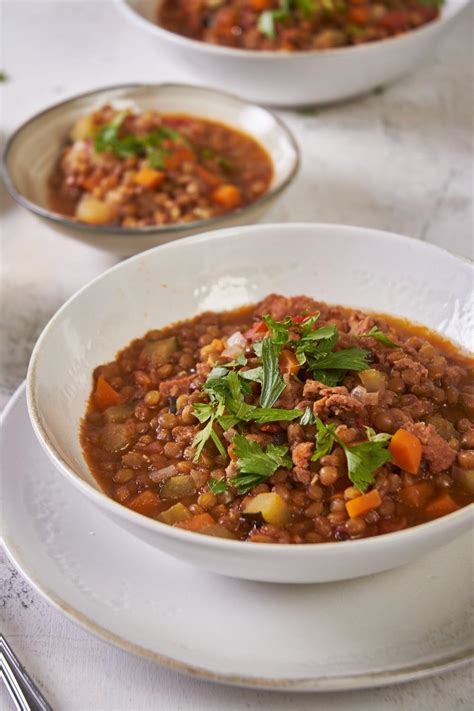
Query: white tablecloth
[[399, 160]]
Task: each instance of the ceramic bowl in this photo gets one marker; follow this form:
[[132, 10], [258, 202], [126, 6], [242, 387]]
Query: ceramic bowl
[[298, 78], [31, 152], [222, 270]]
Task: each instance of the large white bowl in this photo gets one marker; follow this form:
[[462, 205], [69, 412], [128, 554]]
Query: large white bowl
[[297, 78], [349, 265], [30, 155]]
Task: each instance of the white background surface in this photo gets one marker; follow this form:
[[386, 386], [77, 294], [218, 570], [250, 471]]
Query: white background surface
[[400, 159]]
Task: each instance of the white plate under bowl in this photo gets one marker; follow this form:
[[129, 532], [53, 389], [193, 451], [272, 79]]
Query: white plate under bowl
[[294, 78], [387, 628]]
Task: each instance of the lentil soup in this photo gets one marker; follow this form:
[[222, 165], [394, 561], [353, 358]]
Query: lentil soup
[[135, 170], [290, 421], [294, 25]]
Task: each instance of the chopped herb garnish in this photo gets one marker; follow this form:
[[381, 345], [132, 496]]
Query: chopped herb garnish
[[255, 464], [362, 459], [272, 381], [308, 418], [347, 359], [217, 486], [380, 336], [325, 437], [152, 146]]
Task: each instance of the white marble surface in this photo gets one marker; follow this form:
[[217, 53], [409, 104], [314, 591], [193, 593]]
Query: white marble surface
[[400, 159]]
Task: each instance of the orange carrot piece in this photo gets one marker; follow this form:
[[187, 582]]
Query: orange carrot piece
[[104, 394], [210, 178], [363, 504], [417, 495], [196, 522], [359, 15], [288, 363], [406, 451], [178, 157], [260, 5], [149, 178], [441, 506], [231, 452], [227, 196], [146, 503]]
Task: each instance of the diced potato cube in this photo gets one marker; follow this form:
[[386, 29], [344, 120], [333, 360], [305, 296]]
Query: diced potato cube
[[373, 380], [83, 128], [177, 512], [94, 211], [272, 507], [118, 413], [178, 486], [157, 353]]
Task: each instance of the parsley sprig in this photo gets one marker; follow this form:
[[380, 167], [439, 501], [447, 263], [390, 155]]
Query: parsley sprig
[[362, 459], [154, 146], [255, 464], [226, 390], [380, 336]]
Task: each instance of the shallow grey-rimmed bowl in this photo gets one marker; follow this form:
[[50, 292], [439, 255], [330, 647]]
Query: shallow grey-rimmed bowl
[[32, 150]]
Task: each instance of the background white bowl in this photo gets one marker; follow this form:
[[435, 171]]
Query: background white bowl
[[298, 78], [348, 265], [32, 151]]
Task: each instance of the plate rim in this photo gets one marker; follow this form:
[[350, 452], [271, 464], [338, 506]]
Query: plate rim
[[340, 682]]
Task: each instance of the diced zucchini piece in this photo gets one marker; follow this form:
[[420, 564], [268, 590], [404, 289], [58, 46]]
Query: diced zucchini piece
[[118, 413], [178, 486], [443, 427], [177, 512], [217, 531], [465, 478], [272, 507], [157, 353], [373, 380]]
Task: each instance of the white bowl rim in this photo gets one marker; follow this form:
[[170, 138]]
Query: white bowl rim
[[117, 230], [268, 549], [155, 28]]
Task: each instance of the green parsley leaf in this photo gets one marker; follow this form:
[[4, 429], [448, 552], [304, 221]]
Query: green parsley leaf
[[254, 374], [363, 460], [329, 377], [272, 381], [207, 412], [373, 436], [306, 7], [217, 486], [307, 417], [346, 359], [380, 336], [201, 438], [266, 24], [274, 414], [256, 463], [325, 437], [218, 444], [279, 330]]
